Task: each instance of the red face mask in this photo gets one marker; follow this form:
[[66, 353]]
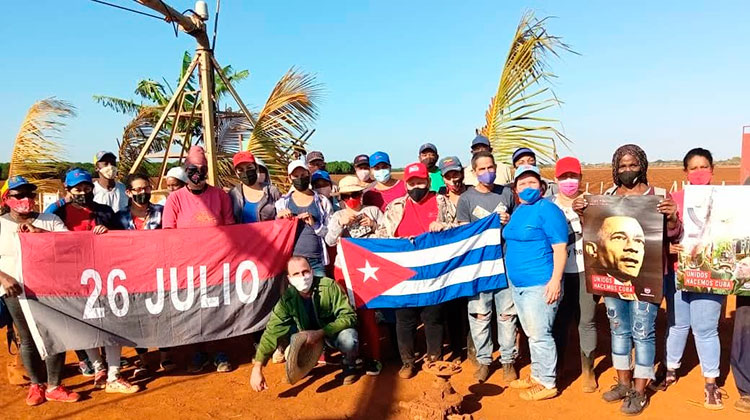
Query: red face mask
[[353, 202], [700, 177], [20, 205]]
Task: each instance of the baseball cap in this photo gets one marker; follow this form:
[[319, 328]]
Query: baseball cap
[[379, 157], [450, 163], [103, 154], [524, 169], [415, 170], [18, 181], [315, 155], [77, 176], [321, 175], [349, 184], [243, 157], [299, 163], [427, 146], [521, 152], [259, 162], [178, 173], [567, 164], [480, 139], [361, 160]]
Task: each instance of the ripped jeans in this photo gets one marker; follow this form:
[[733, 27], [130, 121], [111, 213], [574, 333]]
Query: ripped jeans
[[632, 323], [506, 314]]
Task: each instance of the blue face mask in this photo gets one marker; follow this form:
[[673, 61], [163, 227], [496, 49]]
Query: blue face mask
[[530, 195], [382, 175], [487, 178]]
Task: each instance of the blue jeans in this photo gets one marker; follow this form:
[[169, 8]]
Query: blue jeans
[[316, 264], [632, 323], [537, 318], [347, 342], [701, 312], [505, 311]]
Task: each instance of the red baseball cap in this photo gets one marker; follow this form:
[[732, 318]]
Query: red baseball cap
[[243, 157], [415, 170], [567, 164]]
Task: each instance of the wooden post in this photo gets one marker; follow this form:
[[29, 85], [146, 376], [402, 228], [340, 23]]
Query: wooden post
[[208, 110]]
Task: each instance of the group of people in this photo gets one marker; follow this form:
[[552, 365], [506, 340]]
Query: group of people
[[542, 237]]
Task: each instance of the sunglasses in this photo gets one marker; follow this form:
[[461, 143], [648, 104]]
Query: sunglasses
[[22, 195], [351, 195]]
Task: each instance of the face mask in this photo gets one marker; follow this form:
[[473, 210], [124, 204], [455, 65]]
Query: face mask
[[429, 163], [530, 195], [142, 198], [454, 187], [363, 174], [108, 172], [353, 203], [569, 187], [324, 191], [249, 177], [700, 177], [629, 179], [21, 205], [417, 194], [195, 175], [382, 175], [262, 178], [487, 178], [83, 200], [301, 184], [302, 283]]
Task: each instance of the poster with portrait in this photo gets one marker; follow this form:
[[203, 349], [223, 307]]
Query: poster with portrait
[[622, 247], [715, 255]]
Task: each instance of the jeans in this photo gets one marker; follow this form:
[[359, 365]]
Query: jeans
[[632, 323], [701, 312], [316, 264], [506, 314], [537, 318], [29, 354], [577, 305], [741, 346], [347, 342], [406, 330]]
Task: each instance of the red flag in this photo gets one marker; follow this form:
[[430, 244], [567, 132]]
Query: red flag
[[370, 275]]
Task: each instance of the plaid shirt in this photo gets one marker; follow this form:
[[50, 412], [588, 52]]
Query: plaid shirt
[[153, 218]]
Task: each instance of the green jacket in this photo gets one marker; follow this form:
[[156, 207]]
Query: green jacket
[[331, 306]]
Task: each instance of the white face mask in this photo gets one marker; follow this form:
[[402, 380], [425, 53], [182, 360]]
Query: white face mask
[[108, 172], [363, 174], [382, 175], [302, 283]]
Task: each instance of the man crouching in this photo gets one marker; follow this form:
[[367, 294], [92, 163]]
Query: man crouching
[[316, 307]]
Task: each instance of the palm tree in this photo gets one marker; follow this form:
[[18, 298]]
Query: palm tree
[[513, 117]]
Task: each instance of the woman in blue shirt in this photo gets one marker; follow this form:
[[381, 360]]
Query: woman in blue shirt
[[536, 239]]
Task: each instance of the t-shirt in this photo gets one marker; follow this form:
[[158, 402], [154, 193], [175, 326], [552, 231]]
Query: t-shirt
[[417, 217], [249, 212], [9, 240], [474, 205], [212, 207], [139, 223], [309, 306], [574, 263], [79, 219], [116, 198], [308, 244], [436, 180], [529, 237], [381, 198]]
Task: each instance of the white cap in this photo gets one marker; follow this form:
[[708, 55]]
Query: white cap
[[296, 164], [178, 173]]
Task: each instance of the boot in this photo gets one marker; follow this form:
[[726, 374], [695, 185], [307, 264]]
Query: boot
[[587, 374]]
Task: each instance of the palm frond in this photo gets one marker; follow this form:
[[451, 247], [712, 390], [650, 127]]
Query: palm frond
[[152, 91], [135, 135], [231, 130], [513, 118], [123, 106], [37, 150]]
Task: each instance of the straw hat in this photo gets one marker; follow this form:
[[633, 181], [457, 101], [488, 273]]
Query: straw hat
[[350, 184], [301, 357]]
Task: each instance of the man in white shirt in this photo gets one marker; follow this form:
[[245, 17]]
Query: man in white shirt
[[107, 191]]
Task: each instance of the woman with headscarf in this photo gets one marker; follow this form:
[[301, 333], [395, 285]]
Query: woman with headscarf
[[632, 322]]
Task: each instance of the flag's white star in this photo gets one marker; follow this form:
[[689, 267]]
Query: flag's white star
[[369, 271]]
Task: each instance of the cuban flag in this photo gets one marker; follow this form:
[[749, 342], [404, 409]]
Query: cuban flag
[[429, 269]]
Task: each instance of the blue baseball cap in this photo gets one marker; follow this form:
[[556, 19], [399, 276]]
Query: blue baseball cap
[[524, 169], [450, 163], [77, 176], [18, 181], [379, 157], [523, 151], [427, 146], [320, 175], [480, 140]]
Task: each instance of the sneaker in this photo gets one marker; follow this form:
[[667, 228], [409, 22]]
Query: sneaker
[[221, 361], [482, 373], [714, 395], [86, 368], [664, 380], [167, 365], [373, 368], [523, 383], [633, 403], [62, 394], [509, 373], [141, 368], [407, 371], [743, 404], [538, 392], [199, 362], [617, 393], [35, 395], [349, 375], [121, 386], [100, 379], [278, 356]]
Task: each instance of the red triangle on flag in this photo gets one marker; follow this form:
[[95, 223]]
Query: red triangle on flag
[[370, 275]]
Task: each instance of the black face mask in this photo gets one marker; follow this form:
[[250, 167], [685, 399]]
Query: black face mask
[[301, 184], [417, 194], [249, 177], [629, 179], [141, 198], [83, 199], [429, 163], [195, 175]]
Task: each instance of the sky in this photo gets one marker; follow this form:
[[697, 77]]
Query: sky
[[667, 75]]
